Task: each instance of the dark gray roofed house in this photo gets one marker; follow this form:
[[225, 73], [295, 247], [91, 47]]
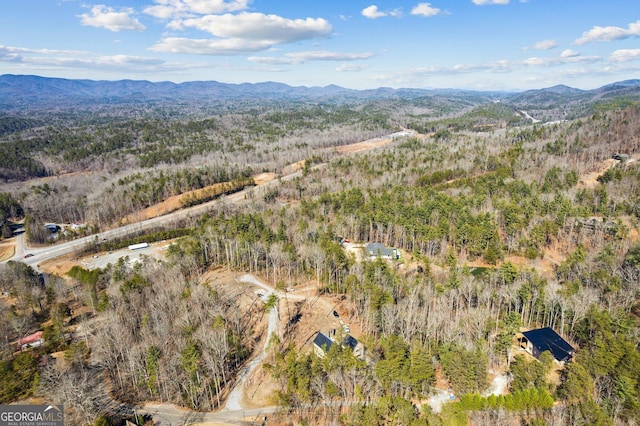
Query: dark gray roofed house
[[379, 250], [546, 339], [350, 341], [321, 344]]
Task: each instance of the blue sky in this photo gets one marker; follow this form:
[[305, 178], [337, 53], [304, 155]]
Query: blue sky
[[473, 44]]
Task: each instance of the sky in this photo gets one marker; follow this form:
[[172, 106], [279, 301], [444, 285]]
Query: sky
[[461, 44]]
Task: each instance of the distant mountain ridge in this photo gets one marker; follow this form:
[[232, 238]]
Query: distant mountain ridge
[[34, 89], [30, 91]]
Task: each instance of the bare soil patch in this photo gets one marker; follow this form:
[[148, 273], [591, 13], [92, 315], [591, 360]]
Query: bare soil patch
[[363, 146], [371, 143], [545, 266], [589, 180], [7, 249], [59, 266], [169, 205], [303, 312], [264, 178], [292, 168], [173, 203]]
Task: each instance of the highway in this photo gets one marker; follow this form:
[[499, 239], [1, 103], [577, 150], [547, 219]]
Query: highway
[[38, 255]]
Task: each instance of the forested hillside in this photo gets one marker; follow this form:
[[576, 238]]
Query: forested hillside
[[503, 226], [554, 251]]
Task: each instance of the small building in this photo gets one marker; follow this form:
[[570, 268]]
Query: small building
[[31, 341], [52, 227], [356, 347], [621, 157], [379, 250], [537, 341], [321, 344]]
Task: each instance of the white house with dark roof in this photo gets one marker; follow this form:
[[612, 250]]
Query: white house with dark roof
[[375, 250], [540, 340], [321, 344]]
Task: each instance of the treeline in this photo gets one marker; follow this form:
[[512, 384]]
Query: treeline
[[35, 300], [14, 165], [183, 340], [209, 194], [103, 204], [80, 144], [10, 208], [485, 117], [10, 124]]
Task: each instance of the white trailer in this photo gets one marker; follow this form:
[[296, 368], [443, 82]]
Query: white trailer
[[138, 246]]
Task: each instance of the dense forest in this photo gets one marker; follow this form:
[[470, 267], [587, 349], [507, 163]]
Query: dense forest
[[503, 226]]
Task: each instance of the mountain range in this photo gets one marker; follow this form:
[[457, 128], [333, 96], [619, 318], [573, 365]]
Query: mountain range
[[35, 92]]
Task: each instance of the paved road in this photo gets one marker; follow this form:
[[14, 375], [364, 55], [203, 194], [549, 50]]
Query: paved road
[[172, 415], [234, 400], [50, 252]]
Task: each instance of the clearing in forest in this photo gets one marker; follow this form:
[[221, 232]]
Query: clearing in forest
[[7, 250]]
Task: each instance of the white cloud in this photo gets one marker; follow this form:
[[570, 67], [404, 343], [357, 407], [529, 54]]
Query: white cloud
[[271, 60], [77, 59], [172, 9], [483, 2], [535, 61], [543, 45], [41, 51], [506, 66], [210, 46], [257, 26], [568, 53], [610, 33], [102, 16], [127, 60], [161, 11], [314, 55], [566, 57], [243, 33], [351, 67], [425, 9], [625, 55], [8, 54], [372, 12]]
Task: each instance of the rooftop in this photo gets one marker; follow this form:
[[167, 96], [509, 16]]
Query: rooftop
[[546, 339], [323, 341]]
